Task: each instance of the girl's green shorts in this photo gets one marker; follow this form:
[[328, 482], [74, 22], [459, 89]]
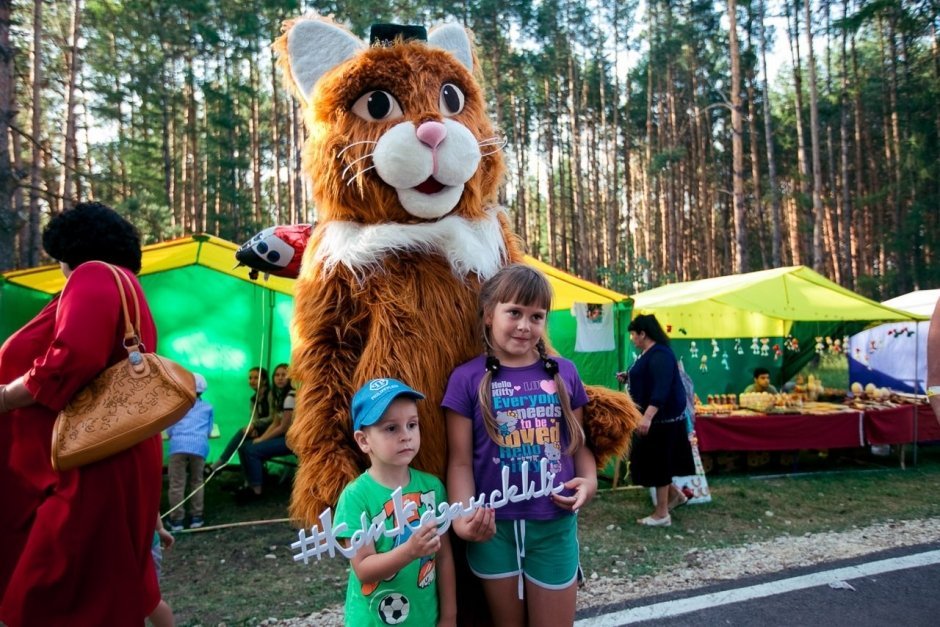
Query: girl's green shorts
[[545, 551]]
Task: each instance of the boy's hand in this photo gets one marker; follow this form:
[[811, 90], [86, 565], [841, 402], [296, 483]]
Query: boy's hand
[[424, 541], [584, 490], [166, 538]]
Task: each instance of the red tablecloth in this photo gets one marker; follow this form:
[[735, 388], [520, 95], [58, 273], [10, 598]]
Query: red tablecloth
[[780, 432], [928, 428], [890, 426]]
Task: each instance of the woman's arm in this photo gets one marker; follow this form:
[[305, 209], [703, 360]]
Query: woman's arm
[[481, 525], [644, 426], [584, 483], [933, 359], [14, 395], [280, 425]]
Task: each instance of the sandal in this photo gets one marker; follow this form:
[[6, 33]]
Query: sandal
[[649, 521]]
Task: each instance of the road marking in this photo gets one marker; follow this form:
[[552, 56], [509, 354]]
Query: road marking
[[725, 597]]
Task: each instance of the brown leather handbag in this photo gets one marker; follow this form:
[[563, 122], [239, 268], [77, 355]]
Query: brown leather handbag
[[125, 404]]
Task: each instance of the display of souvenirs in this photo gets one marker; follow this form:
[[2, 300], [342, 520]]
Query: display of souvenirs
[[760, 401], [871, 396]]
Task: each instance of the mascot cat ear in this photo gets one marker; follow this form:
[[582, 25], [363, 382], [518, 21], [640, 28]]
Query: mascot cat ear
[[315, 47], [453, 38]]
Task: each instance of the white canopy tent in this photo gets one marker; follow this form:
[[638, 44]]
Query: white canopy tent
[[894, 354]]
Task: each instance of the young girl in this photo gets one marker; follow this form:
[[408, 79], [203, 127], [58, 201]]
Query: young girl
[[272, 442], [515, 404], [260, 411]]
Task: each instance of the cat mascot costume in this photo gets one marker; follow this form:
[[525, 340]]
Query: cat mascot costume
[[405, 167]]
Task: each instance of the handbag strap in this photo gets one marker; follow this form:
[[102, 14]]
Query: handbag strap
[[131, 329]]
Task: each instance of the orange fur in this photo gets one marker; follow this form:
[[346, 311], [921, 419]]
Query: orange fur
[[409, 316]]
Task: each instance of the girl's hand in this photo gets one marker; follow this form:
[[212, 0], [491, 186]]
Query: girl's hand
[[424, 541], [584, 490], [644, 426], [479, 527]]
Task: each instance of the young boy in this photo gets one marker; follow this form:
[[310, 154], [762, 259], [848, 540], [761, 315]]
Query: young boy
[[189, 446], [407, 579]]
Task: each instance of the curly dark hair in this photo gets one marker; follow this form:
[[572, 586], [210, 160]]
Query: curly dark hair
[[92, 231]]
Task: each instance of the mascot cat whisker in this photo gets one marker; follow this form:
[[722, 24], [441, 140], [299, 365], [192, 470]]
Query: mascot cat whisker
[[390, 276]]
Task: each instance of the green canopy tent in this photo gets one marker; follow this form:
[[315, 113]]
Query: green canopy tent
[[213, 319], [724, 327], [210, 316]]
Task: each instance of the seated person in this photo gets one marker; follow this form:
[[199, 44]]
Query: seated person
[[761, 382], [271, 442], [258, 423], [796, 385]]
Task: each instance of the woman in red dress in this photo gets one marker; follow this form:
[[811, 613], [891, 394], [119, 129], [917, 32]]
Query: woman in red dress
[[75, 545]]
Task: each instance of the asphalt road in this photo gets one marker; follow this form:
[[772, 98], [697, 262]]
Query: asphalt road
[[896, 587]]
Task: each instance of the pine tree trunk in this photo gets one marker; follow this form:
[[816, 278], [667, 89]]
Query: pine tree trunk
[[165, 145], [737, 143], [255, 140], [69, 144], [298, 212], [775, 235], [276, 138], [793, 33], [847, 248], [814, 138], [10, 222], [32, 243], [758, 199]]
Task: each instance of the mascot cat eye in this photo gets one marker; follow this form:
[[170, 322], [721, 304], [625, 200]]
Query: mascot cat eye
[[377, 106], [452, 99]]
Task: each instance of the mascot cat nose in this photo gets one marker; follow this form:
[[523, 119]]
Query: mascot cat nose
[[432, 134]]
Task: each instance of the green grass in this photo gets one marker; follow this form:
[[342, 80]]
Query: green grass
[[227, 576]]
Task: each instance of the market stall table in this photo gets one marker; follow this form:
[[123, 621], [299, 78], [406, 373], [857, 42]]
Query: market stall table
[[928, 429], [780, 432], [890, 426]]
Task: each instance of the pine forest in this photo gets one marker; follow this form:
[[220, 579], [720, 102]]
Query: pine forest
[[647, 142]]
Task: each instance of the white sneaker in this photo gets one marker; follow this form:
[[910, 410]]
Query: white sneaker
[[649, 521]]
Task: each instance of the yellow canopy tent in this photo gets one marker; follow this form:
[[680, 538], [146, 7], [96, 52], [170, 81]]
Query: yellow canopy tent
[[757, 304], [219, 255], [724, 327], [204, 250], [214, 319]]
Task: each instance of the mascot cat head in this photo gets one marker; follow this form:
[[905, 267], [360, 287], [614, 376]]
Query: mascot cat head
[[397, 133]]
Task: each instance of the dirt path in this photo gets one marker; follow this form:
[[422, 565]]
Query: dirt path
[[711, 566]]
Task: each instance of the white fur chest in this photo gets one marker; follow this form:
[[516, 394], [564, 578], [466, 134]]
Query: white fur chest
[[471, 247]]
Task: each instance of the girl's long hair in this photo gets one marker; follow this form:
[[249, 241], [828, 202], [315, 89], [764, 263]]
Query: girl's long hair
[[261, 405], [279, 395], [526, 286]]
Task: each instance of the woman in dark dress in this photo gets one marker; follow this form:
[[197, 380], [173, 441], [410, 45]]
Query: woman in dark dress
[[661, 448], [75, 545]]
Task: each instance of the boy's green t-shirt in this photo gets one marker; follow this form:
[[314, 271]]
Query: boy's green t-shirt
[[410, 596]]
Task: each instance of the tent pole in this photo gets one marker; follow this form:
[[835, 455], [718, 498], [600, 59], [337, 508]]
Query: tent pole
[[916, 385], [270, 323]]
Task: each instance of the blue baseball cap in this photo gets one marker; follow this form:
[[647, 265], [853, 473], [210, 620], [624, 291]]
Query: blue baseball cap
[[373, 398]]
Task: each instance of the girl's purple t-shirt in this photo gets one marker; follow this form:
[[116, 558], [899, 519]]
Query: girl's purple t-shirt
[[528, 414]]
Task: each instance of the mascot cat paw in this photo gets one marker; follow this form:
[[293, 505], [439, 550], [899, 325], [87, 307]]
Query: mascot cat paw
[[405, 169]]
